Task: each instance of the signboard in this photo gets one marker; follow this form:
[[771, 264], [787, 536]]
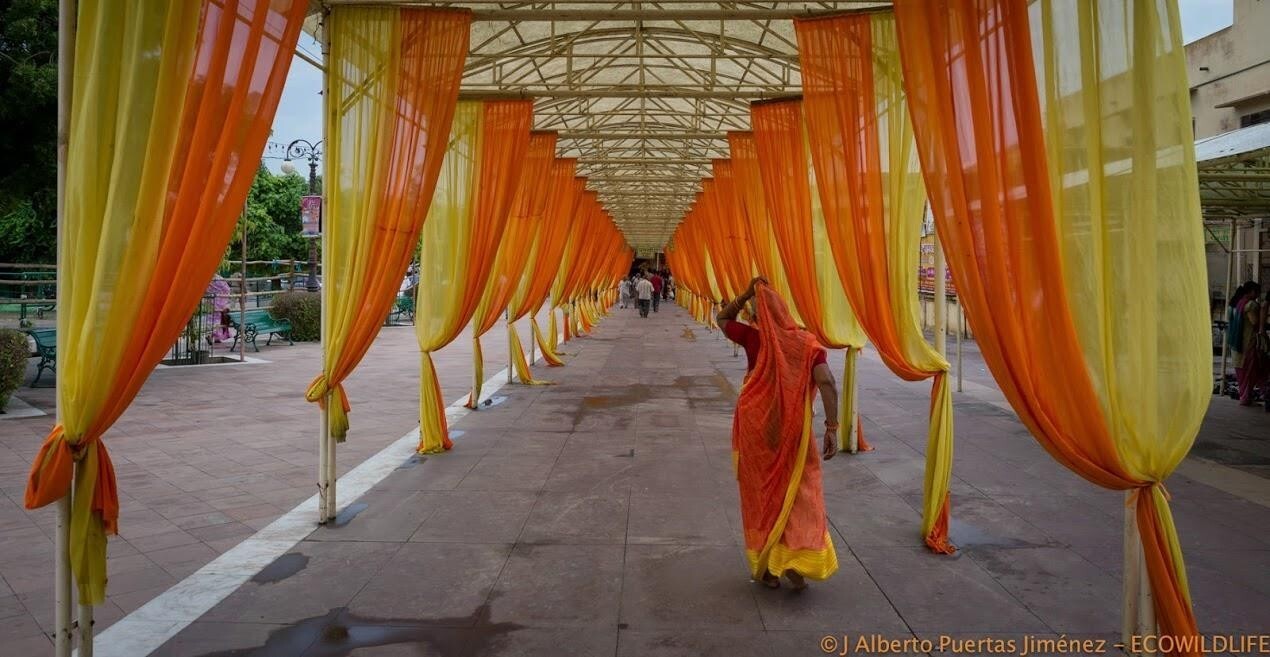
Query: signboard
[[926, 269], [310, 216]]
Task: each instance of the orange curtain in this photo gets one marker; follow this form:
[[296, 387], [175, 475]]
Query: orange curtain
[[514, 250], [753, 209], [731, 224], [232, 77], [973, 93], [580, 247], [781, 143], [870, 188], [476, 213], [544, 261], [561, 218], [404, 136]]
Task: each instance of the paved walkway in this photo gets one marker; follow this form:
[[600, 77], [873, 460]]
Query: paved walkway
[[599, 517], [206, 456]]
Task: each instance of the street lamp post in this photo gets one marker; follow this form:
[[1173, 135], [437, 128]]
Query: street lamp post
[[303, 148]]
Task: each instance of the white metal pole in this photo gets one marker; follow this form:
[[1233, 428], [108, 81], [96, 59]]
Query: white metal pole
[[324, 484], [242, 288], [1138, 609], [85, 629], [532, 357], [507, 316], [961, 330], [68, 11], [62, 575], [332, 480], [326, 447], [1230, 274], [940, 299]]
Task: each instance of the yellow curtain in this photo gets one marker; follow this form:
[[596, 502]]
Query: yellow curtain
[[561, 215], [762, 241], [575, 254], [1105, 352], [549, 238], [465, 223], [514, 251], [161, 154], [797, 220], [394, 83], [870, 181]]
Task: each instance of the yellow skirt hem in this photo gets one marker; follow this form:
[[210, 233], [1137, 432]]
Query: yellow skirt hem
[[817, 565]]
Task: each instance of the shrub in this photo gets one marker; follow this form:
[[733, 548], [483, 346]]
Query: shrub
[[304, 311], [13, 354]]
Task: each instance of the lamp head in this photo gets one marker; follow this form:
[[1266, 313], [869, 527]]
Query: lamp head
[[288, 167]]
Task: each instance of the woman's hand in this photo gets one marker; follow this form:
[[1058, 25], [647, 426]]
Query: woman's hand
[[831, 443], [754, 285]]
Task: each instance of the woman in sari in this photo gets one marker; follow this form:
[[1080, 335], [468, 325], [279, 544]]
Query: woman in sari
[[776, 458], [1245, 325]]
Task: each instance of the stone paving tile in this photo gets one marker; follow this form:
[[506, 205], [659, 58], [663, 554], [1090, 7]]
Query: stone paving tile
[[478, 516], [598, 516], [208, 455], [444, 584], [559, 586]]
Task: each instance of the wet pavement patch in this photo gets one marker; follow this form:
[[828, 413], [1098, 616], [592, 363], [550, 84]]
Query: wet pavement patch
[[338, 633], [281, 568], [968, 536], [346, 516], [980, 408], [412, 462]]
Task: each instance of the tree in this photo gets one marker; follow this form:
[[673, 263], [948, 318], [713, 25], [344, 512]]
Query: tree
[[273, 218], [28, 112]]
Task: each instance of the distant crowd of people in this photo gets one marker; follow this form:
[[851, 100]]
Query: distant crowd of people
[[1249, 343], [646, 290]]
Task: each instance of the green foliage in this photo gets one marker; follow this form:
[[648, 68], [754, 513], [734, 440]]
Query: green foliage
[[28, 112], [304, 311], [273, 218], [14, 351], [27, 235]]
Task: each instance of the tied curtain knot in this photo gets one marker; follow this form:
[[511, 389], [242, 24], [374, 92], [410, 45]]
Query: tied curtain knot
[[1136, 492], [319, 391], [94, 505]]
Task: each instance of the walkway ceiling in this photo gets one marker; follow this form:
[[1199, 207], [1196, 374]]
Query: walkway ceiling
[[1234, 174], [642, 93]]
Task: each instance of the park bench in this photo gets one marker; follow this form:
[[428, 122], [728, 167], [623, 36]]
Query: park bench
[[46, 348], [404, 308], [256, 321]]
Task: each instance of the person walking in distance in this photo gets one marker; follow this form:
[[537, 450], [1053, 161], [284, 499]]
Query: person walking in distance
[[624, 289], [657, 282], [644, 294]]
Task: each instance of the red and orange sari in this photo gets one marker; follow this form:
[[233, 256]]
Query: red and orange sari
[[777, 459]]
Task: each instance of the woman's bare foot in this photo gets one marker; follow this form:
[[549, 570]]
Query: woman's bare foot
[[796, 580], [771, 581]]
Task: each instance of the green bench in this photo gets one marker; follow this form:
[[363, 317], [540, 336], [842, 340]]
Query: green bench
[[255, 322], [404, 308], [46, 349]]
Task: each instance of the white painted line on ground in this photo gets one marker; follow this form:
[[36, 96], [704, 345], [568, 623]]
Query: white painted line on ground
[[144, 630], [17, 409], [248, 360]]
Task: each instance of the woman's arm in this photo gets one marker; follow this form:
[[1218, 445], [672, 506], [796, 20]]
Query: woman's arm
[[829, 398], [729, 312]]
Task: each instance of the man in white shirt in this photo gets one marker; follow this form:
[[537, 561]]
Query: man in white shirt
[[644, 293]]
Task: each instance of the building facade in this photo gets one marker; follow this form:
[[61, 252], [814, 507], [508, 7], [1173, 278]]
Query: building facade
[[1230, 72]]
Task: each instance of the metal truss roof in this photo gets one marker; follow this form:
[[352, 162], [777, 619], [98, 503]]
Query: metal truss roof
[[642, 93], [1234, 174]]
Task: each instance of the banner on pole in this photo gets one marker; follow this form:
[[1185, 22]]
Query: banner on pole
[[310, 216]]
